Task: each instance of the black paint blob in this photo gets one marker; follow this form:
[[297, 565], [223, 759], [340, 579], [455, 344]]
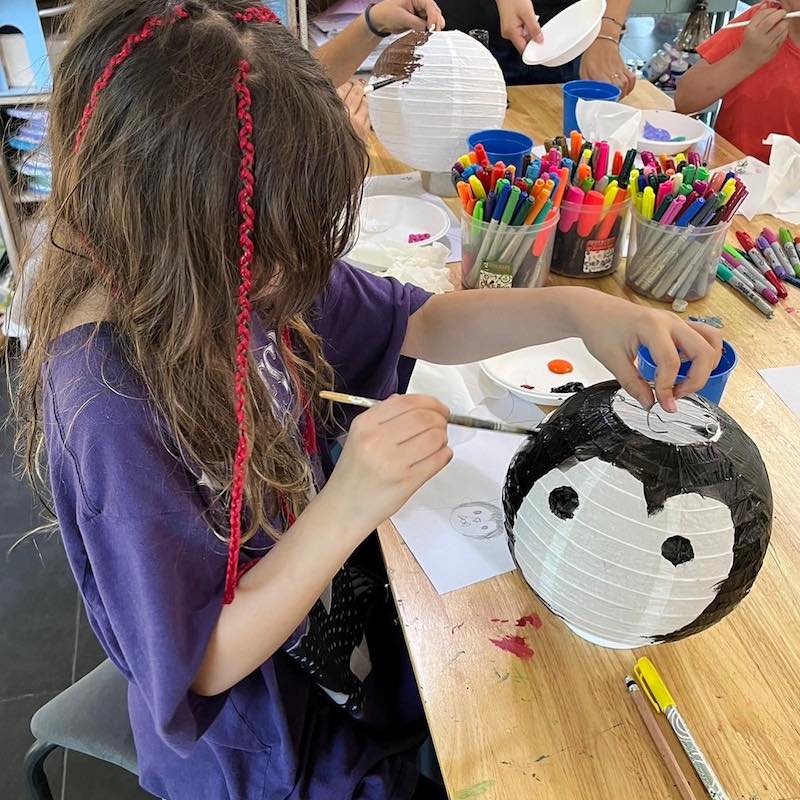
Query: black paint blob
[[568, 388], [677, 550], [564, 502]]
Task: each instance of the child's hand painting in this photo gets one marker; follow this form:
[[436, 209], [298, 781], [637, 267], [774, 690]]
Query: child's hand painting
[[765, 35], [391, 450], [352, 95], [614, 329]]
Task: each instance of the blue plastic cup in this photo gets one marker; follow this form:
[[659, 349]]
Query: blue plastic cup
[[506, 146], [715, 386], [585, 90]]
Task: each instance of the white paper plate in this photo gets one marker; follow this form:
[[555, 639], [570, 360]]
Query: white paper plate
[[529, 366], [567, 35], [691, 129], [393, 217]]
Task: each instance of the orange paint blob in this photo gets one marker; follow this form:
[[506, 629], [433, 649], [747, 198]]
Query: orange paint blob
[[560, 366]]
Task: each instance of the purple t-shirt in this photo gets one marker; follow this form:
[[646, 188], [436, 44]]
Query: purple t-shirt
[[135, 524]]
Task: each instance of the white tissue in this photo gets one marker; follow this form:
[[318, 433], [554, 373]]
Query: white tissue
[[615, 123], [774, 188], [782, 194], [424, 266]]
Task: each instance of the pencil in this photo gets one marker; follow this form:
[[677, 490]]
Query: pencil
[[667, 756], [453, 419]]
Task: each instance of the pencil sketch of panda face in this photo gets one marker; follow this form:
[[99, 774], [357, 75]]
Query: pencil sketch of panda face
[[477, 520], [585, 541]]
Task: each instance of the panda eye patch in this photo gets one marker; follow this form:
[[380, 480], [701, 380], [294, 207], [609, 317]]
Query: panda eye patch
[[677, 550], [564, 502]]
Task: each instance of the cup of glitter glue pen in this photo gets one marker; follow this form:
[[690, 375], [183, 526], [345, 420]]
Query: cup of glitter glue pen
[[507, 224]]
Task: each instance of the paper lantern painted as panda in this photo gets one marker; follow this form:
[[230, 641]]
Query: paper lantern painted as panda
[[634, 527], [452, 87]]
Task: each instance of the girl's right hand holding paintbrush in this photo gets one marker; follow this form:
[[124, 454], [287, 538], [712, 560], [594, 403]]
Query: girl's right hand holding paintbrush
[[392, 449], [765, 35]]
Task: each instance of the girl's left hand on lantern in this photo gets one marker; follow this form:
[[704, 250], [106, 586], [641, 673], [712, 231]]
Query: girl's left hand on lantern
[[396, 16]]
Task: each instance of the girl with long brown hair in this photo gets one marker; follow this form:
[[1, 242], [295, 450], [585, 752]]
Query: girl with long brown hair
[[190, 306]]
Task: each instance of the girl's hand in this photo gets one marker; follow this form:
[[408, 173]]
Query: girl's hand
[[602, 61], [614, 329], [396, 16], [392, 449], [352, 95], [518, 22], [765, 35]]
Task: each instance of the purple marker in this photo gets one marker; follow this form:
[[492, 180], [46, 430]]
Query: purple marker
[[770, 257], [753, 277], [778, 250]]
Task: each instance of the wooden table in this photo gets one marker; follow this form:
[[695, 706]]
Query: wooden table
[[560, 726]]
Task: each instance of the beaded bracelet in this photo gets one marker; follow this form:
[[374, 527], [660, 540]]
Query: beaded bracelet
[[620, 25], [372, 29]]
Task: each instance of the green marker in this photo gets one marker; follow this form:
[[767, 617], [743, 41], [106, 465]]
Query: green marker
[[511, 206], [791, 251], [477, 219]]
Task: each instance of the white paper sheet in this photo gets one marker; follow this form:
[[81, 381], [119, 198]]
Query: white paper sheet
[[409, 184], [454, 524], [785, 382]]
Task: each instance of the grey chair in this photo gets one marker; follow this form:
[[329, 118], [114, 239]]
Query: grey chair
[[91, 716]]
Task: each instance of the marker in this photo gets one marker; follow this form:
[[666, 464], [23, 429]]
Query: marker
[[478, 190], [590, 213], [778, 250], [758, 260], [648, 203], [755, 277], [658, 694], [669, 215], [769, 256], [571, 209], [788, 247], [727, 275]]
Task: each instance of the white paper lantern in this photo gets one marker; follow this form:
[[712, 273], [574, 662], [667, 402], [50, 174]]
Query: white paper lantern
[[455, 88], [636, 528]]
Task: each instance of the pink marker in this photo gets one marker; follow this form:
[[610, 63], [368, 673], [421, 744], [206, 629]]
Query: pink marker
[[674, 209], [761, 265], [778, 250], [570, 209]]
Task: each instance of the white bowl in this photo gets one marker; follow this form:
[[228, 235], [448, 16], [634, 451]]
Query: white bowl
[[692, 131], [394, 217], [567, 35]]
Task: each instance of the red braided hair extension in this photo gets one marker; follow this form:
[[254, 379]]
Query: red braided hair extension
[[148, 30], [255, 14], [246, 226]]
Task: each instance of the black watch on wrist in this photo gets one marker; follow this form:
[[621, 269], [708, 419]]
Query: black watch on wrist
[[372, 29]]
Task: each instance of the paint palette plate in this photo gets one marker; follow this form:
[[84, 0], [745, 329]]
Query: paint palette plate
[[394, 217], [529, 368]]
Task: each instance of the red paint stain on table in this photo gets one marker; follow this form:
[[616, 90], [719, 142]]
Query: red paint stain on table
[[534, 620], [560, 366], [791, 310], [515, 645]]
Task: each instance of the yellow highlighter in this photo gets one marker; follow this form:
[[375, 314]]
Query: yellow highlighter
[[659, 696], [609, 195], [648, 202], [477, 187]]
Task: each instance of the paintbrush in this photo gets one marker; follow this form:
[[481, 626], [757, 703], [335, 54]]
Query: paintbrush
[[453, 419], [745, 23], [373, 87]]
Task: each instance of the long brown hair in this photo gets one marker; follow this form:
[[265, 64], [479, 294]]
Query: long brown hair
[[144, 214]]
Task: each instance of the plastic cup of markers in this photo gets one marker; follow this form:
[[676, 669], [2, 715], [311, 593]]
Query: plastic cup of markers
[[666, 262], [591, 247], [505, 256], [510, 147], [715, 386]]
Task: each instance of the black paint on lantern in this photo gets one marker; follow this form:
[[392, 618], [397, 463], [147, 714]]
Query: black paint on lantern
[[729, 469], [677, 550], [564, 502]]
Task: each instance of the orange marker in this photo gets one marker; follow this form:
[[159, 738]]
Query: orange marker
[[616, 166], [471, 206], [607, 225], [541, 199], [576, 143], [464, 193], [537, 187], [544, 237], [584, 173], [549, 185], [563, 182], [473, 157]]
